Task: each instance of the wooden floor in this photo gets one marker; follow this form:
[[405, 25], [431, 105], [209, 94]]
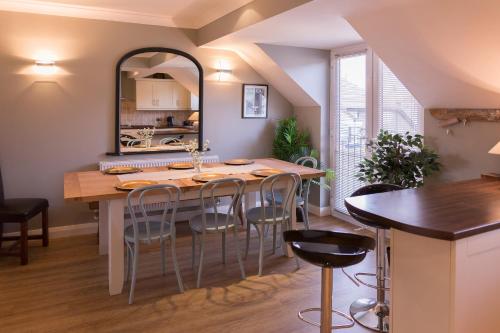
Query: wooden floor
[[64, 289]]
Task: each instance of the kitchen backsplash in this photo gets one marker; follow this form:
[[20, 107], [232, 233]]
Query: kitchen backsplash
[[130, 116]]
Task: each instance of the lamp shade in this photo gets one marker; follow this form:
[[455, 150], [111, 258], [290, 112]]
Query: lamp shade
[[194, 116], [496, 149]]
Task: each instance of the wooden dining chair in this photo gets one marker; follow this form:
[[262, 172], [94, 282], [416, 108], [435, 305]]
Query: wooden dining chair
[[21, 211]]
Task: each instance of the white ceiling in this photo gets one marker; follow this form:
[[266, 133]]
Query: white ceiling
[[317, 24], [182, 13]]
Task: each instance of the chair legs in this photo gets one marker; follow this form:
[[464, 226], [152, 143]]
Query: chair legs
[[163, 256], [23, 242], [238, 253], [45, 227], [260, 231], [200, 261], [305, 216], [247, 247], [224, 243], [176, 265], [135, 261]]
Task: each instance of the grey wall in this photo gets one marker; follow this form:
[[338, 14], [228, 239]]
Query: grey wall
[[464, 152], [64, 122], [310, 68]]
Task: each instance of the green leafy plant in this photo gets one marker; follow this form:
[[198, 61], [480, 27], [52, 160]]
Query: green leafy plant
[[398, 159], [290, 144], [290, 140]]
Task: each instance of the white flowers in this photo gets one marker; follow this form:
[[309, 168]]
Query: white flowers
[[192, 147], [146, 133]]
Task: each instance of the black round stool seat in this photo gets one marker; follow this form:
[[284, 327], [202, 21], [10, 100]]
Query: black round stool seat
[[328, 248]]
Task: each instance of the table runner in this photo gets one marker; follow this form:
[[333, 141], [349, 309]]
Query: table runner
[[182, 174]]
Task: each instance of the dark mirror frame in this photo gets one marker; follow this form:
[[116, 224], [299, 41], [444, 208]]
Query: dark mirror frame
[[132, 53]]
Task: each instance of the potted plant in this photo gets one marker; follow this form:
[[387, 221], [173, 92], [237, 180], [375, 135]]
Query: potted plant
[[398, 159]]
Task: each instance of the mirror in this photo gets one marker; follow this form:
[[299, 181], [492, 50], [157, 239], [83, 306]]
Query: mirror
[[159, 101]]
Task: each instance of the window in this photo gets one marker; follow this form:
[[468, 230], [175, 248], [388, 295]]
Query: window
[[365, 101], [399, 111]]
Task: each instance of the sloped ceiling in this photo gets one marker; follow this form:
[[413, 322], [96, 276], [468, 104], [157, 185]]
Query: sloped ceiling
[[446, 52]]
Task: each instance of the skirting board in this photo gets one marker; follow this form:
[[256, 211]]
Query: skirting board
[[319, 211], [65, 231]]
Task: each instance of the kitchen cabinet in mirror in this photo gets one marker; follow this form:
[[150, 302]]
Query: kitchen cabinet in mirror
[[159, 101]]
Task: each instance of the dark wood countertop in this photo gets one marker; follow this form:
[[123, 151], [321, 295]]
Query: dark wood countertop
[[447, 211]]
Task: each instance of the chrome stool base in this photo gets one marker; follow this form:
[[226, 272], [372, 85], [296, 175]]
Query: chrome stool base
[[344, 315], [371, 314]]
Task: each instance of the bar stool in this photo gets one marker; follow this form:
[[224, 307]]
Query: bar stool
[[369, 312], [328, 250]]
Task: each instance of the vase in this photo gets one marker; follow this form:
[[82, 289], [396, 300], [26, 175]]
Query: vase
[[147, 143], [197, 164]]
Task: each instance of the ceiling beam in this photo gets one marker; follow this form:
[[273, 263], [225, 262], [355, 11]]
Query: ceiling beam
[[243, 17]]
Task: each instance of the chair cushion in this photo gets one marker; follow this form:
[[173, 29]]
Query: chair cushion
[[154, 231], [196, 223], [254, 215], [21, 210]]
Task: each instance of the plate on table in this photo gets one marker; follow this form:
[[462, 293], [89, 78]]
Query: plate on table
[[208, 176], [121, 170], [181, 166], [239, 161], [265, 172], [133, 184]]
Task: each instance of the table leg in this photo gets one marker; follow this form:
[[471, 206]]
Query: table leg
[[103, 227], [115, 212]]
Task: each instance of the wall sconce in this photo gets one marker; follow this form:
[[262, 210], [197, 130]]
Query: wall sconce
[[223, 72], [45, 66]]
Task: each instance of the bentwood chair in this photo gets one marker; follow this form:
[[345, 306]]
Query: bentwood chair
[[277, 213], [217, 219], [369, 312], [21, 211], [148, 229], [328, 250], [302, 198]]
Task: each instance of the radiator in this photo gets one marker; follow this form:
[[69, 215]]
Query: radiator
[[151, 163]]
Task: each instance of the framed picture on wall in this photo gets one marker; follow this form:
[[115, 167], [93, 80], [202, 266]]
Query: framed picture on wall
[[255, 100]]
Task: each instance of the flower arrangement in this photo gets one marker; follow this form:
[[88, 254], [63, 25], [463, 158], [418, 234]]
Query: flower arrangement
[[146, 135], [192, 147]]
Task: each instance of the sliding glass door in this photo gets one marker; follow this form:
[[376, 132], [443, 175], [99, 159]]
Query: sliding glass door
[[350, 124]]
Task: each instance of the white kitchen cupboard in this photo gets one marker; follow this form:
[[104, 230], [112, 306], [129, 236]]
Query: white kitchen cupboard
[[160, 94]]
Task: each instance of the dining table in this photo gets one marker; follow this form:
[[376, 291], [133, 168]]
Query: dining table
[[97, 186]]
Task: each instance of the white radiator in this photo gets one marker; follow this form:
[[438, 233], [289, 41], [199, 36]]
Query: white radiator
[[189, 205], [151, 163]]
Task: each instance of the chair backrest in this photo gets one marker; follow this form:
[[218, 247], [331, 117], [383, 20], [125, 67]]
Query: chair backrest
[[310, 162], [210, 194], [286, 184], [139, 213], [372, 189]]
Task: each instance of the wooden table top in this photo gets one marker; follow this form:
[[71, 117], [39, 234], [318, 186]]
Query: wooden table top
[[448, 211], [92, 186]]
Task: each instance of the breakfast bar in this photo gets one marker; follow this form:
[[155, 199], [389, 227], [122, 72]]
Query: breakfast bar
[[445, 255]]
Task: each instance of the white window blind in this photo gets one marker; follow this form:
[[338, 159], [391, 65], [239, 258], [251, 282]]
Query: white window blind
[[350, 125], [399, 111]]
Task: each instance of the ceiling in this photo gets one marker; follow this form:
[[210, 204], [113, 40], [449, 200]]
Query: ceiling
[[317, 24], [183, 13]]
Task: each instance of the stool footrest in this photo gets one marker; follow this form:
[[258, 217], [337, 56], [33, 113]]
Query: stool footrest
[[342, 314], [369, 285]]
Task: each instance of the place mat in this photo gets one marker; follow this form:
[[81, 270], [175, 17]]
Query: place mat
[[182, 174]]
